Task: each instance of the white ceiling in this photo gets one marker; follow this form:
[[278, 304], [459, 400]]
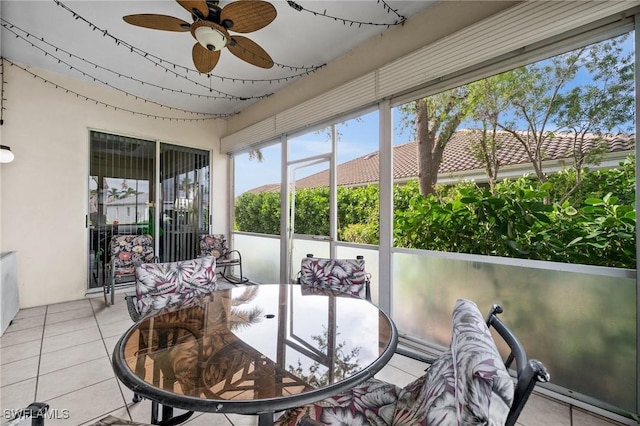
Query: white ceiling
[[67, 36]]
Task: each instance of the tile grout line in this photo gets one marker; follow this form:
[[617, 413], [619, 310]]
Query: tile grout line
[[104, 344], [44, 324]]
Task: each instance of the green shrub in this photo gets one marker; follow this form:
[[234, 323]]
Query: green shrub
[[521, 218]]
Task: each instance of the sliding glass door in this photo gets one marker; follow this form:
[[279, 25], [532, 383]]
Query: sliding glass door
[[126, 177], [184, 186], [121, 191]]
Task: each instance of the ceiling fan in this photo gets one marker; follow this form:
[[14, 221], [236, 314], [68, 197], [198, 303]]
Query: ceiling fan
[[210, 28]]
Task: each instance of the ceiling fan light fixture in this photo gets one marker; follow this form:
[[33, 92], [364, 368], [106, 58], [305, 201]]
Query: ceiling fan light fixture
[[6, 156], [210, 38]]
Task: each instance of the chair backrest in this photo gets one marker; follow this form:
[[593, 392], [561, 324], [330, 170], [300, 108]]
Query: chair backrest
[[528, 371], [127, 251], [215, 245], [160, 285], [344, 275], [470, 382]]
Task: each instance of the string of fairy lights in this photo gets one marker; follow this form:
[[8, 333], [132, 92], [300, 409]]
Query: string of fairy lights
[[2, 83], [114, 107], [26, 37], [305, 70], [350, 22], [59, 54]]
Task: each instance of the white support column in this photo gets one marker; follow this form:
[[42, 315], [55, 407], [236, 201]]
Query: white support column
[[333, 193], [285, 224], [637, 83], [385, 295]]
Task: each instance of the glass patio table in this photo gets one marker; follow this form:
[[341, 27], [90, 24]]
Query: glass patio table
[[256, 349]]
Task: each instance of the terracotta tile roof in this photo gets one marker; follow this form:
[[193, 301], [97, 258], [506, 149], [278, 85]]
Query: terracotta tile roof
[[457, 158], [265, 188]]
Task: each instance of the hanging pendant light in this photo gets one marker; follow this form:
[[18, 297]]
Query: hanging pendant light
[[6, 156]]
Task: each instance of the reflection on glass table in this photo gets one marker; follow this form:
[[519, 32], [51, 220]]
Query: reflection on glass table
[[255, 350]]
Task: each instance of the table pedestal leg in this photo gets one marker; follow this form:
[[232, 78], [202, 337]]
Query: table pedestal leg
[[265, 419]]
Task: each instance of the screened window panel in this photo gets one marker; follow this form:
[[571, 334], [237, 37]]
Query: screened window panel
[[184, 208]]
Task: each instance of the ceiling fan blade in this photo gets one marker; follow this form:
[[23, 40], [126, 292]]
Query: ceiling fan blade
[[204, 59], [248, 15], [200, 5], [158, 22], [249, 51]]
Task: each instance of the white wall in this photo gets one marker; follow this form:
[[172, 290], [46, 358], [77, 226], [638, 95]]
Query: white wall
[[43, 192]]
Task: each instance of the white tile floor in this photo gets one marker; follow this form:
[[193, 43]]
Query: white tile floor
[[60, 354]]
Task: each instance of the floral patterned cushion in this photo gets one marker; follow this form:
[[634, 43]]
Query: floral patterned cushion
[[159, 285], [466, 385], [430, 399], [371, 403], [216, 245], [344, 275], [127, 251], [484, 389]]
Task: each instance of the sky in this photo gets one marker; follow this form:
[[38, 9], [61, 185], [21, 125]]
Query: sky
[[357, 137]]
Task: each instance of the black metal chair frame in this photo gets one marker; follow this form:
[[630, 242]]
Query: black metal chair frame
[[228, 258], [111, 286], [528, 371], [36, 411]]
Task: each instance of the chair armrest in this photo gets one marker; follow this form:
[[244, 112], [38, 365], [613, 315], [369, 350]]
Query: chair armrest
[[228, 254], [367, 285], [35, 411], [131, 307]]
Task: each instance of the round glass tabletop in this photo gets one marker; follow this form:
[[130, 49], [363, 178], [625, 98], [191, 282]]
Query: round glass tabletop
[[255, 349]]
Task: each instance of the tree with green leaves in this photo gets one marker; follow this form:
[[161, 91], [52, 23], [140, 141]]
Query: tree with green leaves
[[489, 104], [600, 106], [435, 119], [113, 194], [584, 92], [336, 366]]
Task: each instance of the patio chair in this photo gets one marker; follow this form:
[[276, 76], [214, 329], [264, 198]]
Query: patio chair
[[127, 251], [344, 275], [216, 245], [175, 284], [33, 415], [467, 384], [171, 284]]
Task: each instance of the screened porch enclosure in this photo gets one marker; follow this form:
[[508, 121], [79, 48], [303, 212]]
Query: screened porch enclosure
[[579, 319], [575, 319]]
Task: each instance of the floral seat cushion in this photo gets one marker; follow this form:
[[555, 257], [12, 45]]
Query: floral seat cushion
[[371, 403], [127, 251], [430, 399], [344, 275], [159, 285], [216, 245], [466, 385]]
